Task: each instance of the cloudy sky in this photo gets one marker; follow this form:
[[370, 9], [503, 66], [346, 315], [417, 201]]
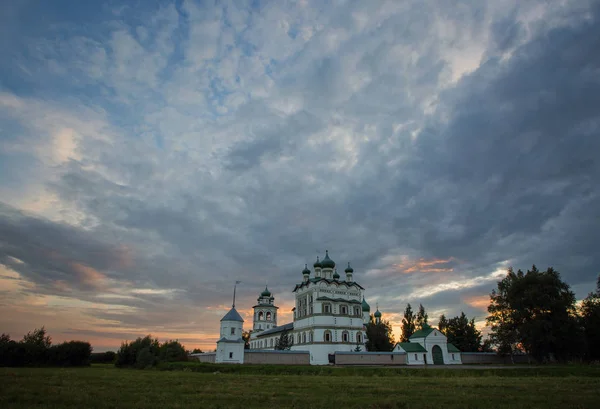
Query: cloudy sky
[[152, 154]]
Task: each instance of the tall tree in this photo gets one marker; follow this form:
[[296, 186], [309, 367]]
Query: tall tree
[[408, 324], [379, 336], [246, 338], [285, 341], [535, 312], [462, 333], [590, 319], [443, 323], [421, 317]]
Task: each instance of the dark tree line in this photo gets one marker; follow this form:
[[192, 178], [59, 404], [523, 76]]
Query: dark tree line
[[36, 349], [148, 352], [536, 313]]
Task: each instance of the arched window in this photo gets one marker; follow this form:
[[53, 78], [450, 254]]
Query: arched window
[[298, 338], [345, 337], [260, 316], [356, 311], [343, 309], [359, 338], [304, 340], [327, 336], [310, 336], [269, 316]]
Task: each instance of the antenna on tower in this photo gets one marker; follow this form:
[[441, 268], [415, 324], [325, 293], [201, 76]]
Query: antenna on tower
[[234, 286]]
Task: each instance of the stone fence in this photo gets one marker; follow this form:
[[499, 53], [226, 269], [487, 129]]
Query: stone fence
[[370, 358]]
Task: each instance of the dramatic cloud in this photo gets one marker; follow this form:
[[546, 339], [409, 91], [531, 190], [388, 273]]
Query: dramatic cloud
[[152, 156]]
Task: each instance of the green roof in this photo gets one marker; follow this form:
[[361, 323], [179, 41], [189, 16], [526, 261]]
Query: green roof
[[365, 305], [411, 347], [327, 262], [323, 298], [423, 332], [452, 348]]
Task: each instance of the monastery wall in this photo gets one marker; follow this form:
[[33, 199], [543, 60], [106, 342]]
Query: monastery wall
[[491, 358], [370, 358], [277, 357], [208, 357]]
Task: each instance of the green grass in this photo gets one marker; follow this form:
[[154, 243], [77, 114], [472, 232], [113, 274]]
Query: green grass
[[103, 386]]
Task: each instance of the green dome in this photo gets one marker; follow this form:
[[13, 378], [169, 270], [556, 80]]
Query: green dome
[[306, 271], [327, 262], [336, 275], [266, 293], [365, 306], [317, 263], [377, 314], [349, 269]]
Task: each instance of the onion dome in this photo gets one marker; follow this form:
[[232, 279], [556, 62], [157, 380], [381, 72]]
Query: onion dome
[[266, 293], [365, 307], [349, 269], [377, 314], [306, 271], [336, 276], [327, 262], [317, 263]]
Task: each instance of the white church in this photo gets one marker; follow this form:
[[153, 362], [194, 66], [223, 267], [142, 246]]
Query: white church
[[330, 315]]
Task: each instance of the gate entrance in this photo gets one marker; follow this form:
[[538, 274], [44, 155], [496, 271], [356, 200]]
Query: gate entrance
[[438, 356]]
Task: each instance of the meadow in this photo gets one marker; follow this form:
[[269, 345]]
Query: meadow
[[214, 386]]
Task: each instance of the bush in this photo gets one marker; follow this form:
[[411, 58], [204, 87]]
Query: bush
[[72, 353], [108, 357], [172, 351], [128, 353], [148, 352], [36, 350]]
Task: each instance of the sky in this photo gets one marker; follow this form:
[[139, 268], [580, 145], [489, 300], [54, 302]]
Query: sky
[[153, 153]]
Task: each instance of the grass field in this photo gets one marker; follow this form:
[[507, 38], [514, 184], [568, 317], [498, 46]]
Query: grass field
[[104, 386]]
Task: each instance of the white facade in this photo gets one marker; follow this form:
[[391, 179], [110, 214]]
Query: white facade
[[330, 315], [230, 346], [435, 343]]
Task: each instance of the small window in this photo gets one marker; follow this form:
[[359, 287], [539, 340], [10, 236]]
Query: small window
[[452, 356], [232, 331], [230, 355], [268, 316], [359, 338], [416, 357], [343, 310], [260, 316]]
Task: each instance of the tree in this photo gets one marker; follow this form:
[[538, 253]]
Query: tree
[[246, 338], [408, 324], [285, 341], [590, 320], [443, 323], [421, 317], [172, 351], [462, 333], [196, 351], [38, 338], [379, 336], [535, 312]]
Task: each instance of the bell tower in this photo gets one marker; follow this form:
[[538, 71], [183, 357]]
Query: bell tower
[[265, 312]]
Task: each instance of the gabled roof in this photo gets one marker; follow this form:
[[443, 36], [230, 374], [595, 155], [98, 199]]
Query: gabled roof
[[232, 315], [452, 348], [231, 341], [317, 279], [411, 346], [285, 327], [423, 332]]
